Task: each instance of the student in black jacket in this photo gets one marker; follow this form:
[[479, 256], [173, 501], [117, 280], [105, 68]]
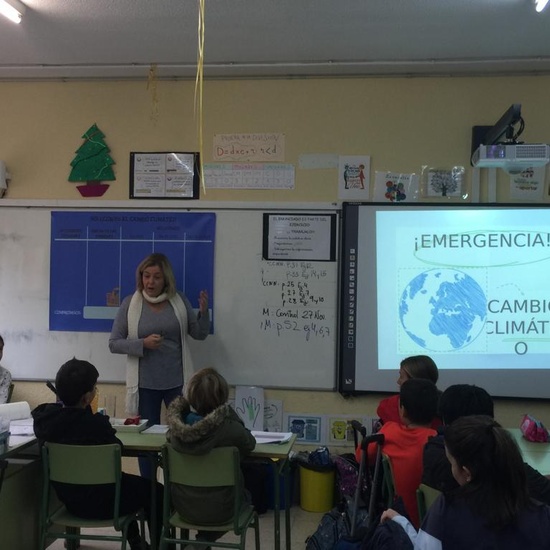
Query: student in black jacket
[[455, 402], [72, 422]]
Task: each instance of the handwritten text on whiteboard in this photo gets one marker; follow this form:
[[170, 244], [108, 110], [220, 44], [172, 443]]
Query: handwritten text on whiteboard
[[299, 298]]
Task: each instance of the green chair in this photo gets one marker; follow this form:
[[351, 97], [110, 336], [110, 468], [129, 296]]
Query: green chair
[[82, 465], [425, 497], [219, 468]]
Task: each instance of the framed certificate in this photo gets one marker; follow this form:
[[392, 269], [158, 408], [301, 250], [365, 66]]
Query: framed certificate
[[164, 175]]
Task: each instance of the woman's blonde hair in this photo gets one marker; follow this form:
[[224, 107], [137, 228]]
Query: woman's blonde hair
[[206, 390], [161, 261]]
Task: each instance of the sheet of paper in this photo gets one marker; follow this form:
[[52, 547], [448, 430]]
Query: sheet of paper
[[156, 429], [16, 429], [271, 437]]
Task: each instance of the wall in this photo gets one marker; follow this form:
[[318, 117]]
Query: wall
[[403, 123]]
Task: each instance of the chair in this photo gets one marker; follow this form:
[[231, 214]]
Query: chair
[[219, 468], [425, 497], [83, 465]]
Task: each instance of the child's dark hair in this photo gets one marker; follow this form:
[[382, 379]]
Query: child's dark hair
[[206, 390], [74, 379], [1, 340], [464, 400], [498, 487], [419, 398]]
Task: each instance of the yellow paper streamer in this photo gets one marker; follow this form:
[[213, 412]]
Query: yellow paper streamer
[[199, 90]]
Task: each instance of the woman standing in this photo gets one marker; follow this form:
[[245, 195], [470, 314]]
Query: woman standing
[[151, 328], [5, 377]]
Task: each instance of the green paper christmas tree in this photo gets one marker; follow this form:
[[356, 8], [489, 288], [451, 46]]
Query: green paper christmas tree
[[92, 164]]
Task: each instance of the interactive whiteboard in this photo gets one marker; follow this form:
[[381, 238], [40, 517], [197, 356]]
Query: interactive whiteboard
[[464, 284]]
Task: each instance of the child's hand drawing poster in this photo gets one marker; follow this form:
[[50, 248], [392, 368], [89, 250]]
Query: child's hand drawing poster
[[353, 177], [249, 405], [395, 187]]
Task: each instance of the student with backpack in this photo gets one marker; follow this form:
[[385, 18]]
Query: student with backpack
[[404, 442]]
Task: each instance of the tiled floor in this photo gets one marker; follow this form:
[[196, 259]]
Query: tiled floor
[[302, 524]]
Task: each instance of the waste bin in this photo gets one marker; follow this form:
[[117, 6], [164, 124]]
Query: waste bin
[[316, 487]]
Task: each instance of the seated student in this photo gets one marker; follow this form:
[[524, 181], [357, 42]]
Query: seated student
[[416, 366], [466, 400], [197, 424], [491, 507], [404, 442], [5, 377], [72, 422]]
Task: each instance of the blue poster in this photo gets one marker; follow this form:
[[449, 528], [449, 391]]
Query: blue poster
[[94, 256]]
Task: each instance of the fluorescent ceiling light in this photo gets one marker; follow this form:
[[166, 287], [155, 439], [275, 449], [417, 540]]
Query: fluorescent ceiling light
[[540, 4], [13, 10]]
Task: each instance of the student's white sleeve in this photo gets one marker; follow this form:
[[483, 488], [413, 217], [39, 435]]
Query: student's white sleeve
[[420, 540]]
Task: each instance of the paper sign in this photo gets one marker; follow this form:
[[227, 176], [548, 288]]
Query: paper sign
[[249, 147], [249, 405]]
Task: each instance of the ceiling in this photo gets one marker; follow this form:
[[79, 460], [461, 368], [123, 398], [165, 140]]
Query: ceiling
[[111, 39]]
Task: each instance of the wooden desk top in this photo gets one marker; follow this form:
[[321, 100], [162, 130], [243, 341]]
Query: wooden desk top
[[17, 443], [537, 455], [154, 442]]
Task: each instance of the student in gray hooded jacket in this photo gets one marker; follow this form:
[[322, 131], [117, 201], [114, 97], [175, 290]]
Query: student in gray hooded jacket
[[198, 423]]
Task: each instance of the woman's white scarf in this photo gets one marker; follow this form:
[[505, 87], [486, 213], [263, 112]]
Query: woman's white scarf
[[132, 361]]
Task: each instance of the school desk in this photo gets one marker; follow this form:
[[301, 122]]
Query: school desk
[[537, 455], [151, 445], [20, 495], [17, 444]]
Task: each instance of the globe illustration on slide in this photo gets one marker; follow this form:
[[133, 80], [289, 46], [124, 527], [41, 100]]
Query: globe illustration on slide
[[443, 309]]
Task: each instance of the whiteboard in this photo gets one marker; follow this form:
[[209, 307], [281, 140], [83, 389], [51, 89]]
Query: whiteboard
[[260, 339]]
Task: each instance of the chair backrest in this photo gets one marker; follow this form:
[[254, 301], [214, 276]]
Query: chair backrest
[[83, 464], [218, 468], [388, 482], [425, 497]]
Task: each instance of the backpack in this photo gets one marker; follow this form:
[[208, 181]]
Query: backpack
[[331, 528], [347, 475], [334, 526]]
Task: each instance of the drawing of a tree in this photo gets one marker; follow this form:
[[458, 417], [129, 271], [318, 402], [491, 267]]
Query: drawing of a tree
[[442, 182], [92, 164]]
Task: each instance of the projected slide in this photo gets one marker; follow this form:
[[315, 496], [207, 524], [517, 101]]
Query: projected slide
[[465, 285], [469, 282], [94, 256]]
